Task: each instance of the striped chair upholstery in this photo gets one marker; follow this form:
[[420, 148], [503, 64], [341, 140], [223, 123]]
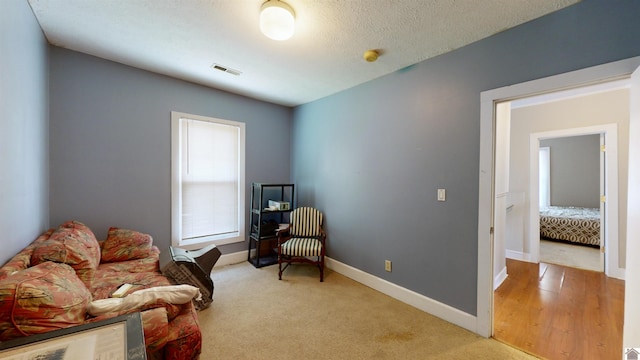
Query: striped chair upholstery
[[303, 241]]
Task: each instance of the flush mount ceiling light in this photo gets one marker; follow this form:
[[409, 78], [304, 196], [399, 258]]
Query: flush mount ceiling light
[[277, 20]]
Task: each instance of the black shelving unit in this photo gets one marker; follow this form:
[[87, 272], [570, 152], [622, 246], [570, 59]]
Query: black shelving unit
[[262, 244]]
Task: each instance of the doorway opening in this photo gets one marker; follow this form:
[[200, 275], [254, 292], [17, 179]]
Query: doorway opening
[[489, 99], [572, 176], [607, 180], [530, 143]]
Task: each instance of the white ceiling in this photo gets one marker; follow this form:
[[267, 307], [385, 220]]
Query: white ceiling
[[183, 38]]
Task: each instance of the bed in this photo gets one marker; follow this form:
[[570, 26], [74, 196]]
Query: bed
[[573, 224]]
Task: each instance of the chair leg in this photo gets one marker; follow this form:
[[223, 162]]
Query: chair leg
[[279, 269], [321, 266]]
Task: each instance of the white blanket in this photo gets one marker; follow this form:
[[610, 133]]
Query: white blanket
[[174, 294]]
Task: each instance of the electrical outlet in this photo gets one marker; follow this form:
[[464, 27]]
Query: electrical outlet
[[387, 265]]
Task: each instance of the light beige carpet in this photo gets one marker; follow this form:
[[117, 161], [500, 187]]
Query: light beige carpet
[[581, 257], [256, 316]]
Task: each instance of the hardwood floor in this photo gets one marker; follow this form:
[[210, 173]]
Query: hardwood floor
[[557, 312]]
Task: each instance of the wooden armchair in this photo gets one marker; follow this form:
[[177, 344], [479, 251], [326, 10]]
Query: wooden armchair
[[303, 241]]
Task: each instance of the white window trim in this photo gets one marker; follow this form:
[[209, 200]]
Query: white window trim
[[176, 188], [545, 177]]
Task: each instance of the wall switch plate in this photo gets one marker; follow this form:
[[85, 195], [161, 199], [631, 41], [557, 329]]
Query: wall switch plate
[[442, 195], [387, 265]]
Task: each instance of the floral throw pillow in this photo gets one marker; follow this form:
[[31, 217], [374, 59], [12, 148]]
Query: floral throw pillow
[[125, 244], [42, 298], [73, 244]]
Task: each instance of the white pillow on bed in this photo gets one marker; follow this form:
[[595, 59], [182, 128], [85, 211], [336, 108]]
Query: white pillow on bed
[[173, 294]]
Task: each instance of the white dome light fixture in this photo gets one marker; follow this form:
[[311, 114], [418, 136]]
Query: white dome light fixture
[[277, 20]]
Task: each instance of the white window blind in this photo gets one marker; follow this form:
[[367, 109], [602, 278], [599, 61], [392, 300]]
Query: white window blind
[[210, 179]]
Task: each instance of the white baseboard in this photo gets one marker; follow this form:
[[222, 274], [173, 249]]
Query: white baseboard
[[407, 296], [618, 273], [233, 258], [517, 255], [499, 278]]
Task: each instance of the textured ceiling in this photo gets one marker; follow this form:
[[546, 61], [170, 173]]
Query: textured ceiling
[[183, 38]]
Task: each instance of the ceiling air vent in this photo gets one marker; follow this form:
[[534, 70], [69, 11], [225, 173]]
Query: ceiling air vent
[[226, 69]]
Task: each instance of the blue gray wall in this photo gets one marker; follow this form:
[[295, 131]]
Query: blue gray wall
[[111, 142], [370, 157], [575, 170], [24, 117], [373, 157]]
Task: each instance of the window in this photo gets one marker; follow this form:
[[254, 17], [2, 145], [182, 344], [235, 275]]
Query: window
[[544, 177], [207, 176]]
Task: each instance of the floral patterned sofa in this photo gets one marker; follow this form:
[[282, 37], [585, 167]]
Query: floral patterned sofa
[[51, 282]]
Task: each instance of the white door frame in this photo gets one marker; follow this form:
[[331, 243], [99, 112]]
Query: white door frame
[[631, 330], [610, 238], [488, 99]]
